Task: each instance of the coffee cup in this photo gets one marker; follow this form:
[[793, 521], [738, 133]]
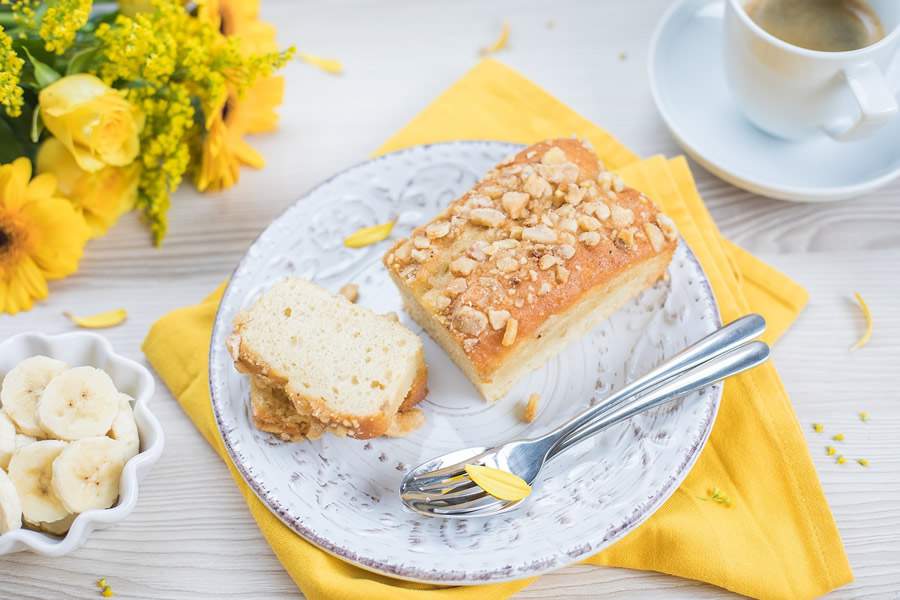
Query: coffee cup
[[796, 93]]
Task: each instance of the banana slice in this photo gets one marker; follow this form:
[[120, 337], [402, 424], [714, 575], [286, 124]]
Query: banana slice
[[86, 474], [23, 440], [31, 471], [10, 506], [60, 527], [124, 430], [78, 403], [22, 388], [7, 439]]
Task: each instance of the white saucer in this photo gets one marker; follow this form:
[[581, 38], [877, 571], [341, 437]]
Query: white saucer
[[690, 91]]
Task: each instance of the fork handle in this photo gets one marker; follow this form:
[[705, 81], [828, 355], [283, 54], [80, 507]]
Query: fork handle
[[718, 342], [723, 366]]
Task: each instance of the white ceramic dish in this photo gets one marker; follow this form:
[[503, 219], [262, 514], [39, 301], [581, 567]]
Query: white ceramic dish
[[688, 83], [341, 494], [76, 349]]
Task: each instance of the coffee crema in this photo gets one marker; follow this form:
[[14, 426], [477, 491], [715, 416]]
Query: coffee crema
[[825, 25]]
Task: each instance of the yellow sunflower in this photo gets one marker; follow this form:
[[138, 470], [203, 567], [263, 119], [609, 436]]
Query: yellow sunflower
[[224, 148], [42, 236]]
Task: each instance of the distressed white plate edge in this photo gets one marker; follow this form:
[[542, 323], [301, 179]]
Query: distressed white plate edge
[[529, 566]]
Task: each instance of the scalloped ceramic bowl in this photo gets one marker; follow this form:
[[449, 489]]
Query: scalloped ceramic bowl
[[83, 348]]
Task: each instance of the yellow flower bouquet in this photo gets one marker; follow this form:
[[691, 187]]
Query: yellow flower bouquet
[[109, 108]]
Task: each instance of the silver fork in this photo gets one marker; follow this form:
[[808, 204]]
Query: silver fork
[[440, 487]]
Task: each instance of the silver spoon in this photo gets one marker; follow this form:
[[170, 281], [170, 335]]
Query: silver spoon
[[440, 487]]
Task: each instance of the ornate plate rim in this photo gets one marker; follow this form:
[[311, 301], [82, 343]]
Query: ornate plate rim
[[527, 568]]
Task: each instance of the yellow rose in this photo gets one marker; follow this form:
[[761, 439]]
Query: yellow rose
[[101, 197], [95, 122]]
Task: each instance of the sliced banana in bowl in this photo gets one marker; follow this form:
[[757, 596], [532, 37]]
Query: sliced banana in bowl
[[73, 443]]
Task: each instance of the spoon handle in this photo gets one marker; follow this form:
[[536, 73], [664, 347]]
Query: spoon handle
[[719, 368], [715, 344]]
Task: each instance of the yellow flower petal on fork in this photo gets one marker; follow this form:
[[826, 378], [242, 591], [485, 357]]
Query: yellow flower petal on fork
[[368, 235], [867, 334], [329, 65], [102, 320], [499, 484]]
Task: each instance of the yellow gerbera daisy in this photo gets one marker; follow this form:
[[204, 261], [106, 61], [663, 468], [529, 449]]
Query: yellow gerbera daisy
[[224, 147], [42, 236]]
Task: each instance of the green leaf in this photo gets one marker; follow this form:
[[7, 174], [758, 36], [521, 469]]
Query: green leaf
[[10, 146], [44, 74], [37, 125], [81, 60]]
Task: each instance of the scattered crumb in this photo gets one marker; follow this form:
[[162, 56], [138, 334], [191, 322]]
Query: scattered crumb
[[623, 56], [328, 65], [530, 411], [867, 315], [818, 427], [499, 43], [350, 292], [392, 316], [550, 23]]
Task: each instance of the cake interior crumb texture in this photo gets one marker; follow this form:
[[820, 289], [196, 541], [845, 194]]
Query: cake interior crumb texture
[[333, 353]]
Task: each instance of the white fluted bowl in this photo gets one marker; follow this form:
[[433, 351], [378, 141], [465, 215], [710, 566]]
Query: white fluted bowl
[[76, 349]]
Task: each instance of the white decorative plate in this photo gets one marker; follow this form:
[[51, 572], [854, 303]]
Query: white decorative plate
[[341, 494]]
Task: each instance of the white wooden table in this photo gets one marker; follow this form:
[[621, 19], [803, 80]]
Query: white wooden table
[[191, 535]]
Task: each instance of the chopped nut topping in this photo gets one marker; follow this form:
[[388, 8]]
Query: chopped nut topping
[[562, 274], [519, 303], [477, 250], [469, 344], [402, 253], [506, 244], [540, 234], [621, 217], [569, 224], [462, 266], [419, 255], [469, 321], [547, 261], [498, 319], [565, 172], [668, 226], [618, 184], [457, 286], [598, 209], [554, 156], [575, 195], [486, 217], [435, 300], [544, 289], [589, 223], [421, 242], [350, 291], [566, 251], [626, 237], [514, 203], [530, 154], [590, 238], [507, 264], [509, 334], [655, 236], [537, 187], [438, 229], [392, 316]]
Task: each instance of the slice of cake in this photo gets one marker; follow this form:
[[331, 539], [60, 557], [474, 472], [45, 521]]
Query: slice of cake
[[318, 362], [536, 254]]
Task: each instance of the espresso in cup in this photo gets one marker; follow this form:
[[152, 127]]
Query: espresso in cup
[[825, 25]]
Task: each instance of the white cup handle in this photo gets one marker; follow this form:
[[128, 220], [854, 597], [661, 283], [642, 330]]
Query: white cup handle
[[876, 100]]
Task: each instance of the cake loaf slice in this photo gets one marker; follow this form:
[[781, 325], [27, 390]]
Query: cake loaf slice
[[342, 367], [540, 250]]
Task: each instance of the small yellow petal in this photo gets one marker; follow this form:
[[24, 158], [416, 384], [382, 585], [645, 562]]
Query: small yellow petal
[[863, 416], [101, 583], [840, 459], [329, 65], [499, 484], [100, 320], [107, 592], [838, 437], [867, 334], [818, 427], [499, 43], [369, 235], [863, 462], [829, 450]]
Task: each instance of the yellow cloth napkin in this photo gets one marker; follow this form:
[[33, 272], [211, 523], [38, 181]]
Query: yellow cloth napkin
[[776, 540]]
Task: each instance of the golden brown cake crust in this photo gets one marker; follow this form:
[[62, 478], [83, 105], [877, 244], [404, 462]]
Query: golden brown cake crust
[[530, 240]]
